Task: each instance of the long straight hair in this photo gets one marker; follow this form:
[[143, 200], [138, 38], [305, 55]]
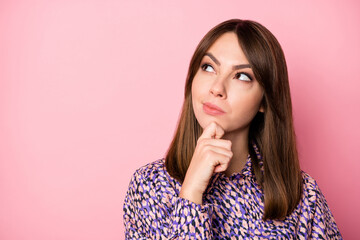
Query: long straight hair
[[272, 131]]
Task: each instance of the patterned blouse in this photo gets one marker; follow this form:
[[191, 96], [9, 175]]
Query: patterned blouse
[[232, 209]]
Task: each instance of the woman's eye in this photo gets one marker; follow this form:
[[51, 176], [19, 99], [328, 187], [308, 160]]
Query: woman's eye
[[243, 77], [207, 68]]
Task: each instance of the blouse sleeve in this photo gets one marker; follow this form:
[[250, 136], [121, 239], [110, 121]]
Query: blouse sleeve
[[148, 213], [323, 225]]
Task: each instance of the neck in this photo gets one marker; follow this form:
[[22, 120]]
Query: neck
[[240, 149]]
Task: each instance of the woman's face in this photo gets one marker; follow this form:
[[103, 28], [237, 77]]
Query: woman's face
[[226, 81]]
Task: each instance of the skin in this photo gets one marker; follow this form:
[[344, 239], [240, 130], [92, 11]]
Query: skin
[[226, 80]]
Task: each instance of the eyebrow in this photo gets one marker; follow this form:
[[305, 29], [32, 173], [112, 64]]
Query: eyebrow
[[235, 67]]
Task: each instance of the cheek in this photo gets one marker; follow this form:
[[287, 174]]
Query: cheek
[[246, 106], [198, 89]]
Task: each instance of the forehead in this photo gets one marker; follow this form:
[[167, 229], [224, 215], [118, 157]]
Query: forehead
[[227, 49]]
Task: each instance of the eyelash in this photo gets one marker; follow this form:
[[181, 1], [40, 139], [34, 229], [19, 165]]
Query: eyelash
[[205, 65], [247, 75]]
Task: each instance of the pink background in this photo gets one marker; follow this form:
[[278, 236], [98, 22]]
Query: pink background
[[91, 90]]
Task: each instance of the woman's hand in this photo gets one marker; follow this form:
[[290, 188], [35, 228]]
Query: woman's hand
[[211, 154]]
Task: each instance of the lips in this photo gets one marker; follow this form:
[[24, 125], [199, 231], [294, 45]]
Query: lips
[[212, 109]]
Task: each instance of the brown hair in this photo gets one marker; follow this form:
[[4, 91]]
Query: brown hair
[[272, 131]]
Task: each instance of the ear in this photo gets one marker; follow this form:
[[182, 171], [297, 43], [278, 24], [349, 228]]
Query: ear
[[261, 109]]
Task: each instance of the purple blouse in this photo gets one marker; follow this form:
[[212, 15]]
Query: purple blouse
[[232, 209]]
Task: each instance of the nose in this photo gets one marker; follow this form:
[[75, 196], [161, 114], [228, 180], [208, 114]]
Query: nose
[[218, 88]]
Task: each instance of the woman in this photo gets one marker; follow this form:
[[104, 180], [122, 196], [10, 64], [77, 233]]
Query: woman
[[232, 170]]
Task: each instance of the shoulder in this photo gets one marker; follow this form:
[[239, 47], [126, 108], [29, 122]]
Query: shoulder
[[315, 210], [311, 189], [152, 176], [151, 169], [312, 197], [308, 181], [150, 172], [313, 205], [310, 186]]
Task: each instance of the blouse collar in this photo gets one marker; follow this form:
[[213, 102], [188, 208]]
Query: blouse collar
[[247, 171]]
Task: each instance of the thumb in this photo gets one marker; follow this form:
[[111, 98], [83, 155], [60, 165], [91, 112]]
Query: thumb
[[213, 130]]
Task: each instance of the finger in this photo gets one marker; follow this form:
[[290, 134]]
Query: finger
[[222, 151], [213, 130], [223, 143], [222, 163], [220, 168], [216, 158]]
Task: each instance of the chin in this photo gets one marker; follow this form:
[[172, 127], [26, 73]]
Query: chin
[[205, 122]]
